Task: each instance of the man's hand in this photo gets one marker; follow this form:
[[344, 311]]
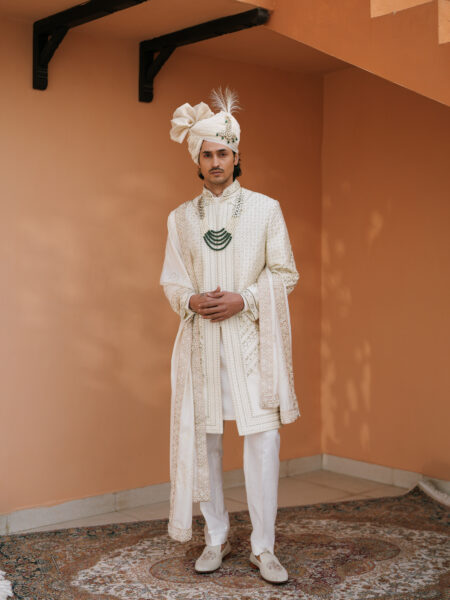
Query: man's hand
[[216, 305]]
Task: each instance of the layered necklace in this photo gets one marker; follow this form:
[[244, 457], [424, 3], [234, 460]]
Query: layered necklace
[[220, 238]]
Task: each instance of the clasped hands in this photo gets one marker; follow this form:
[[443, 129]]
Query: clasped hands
[[216, 305]]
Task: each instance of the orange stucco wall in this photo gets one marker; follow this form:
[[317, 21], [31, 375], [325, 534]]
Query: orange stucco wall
[[89, 176], [385, 266]]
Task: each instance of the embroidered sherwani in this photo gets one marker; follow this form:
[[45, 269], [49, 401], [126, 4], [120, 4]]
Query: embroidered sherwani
[[258, 259]]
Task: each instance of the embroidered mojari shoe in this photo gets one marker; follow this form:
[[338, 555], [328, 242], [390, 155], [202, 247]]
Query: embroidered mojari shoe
[[270, 568], [211, 558]]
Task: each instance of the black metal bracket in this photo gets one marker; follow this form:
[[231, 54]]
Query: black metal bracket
[[48, 33], [150, 65]]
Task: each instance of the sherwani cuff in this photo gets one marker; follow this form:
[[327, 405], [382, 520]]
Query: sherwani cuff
[[251, 305], [289, 416], [188, 312], [179, 300]]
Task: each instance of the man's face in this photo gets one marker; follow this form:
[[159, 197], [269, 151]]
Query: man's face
[[216, 163]]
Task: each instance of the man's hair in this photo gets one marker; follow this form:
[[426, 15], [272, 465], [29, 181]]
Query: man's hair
[[237, 171]]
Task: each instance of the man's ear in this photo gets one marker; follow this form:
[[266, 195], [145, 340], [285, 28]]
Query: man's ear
[[236, 158]]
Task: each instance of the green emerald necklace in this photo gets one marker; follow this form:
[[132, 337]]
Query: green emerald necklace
[[219, 239]]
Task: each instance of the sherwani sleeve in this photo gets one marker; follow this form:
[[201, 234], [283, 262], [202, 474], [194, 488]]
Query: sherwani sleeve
[[279, 259], [174, 277]]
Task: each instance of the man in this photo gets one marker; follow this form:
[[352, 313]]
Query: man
[[227, 272]]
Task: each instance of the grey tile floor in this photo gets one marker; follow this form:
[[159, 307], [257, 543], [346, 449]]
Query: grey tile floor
[[307, 488]]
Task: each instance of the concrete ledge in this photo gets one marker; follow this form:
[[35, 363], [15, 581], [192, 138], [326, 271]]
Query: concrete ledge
[[379, 473], [152, 494]]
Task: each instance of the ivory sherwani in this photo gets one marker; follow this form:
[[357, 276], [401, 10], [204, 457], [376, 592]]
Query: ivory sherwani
[[258, 263]]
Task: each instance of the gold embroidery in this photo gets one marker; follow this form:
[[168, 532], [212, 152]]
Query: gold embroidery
[[268, 399], [281, 309], [201, 483], [249, 336], [201, 491], [181, 535], [183, 366]]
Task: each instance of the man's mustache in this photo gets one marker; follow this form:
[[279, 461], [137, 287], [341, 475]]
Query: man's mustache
[[216, 171]]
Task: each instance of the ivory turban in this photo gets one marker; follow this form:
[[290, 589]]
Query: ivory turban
[[200, 123]]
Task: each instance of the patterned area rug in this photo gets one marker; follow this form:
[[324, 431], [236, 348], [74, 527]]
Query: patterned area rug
[[395, 548]]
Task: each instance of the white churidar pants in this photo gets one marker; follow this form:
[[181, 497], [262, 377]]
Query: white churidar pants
[[261, 472]]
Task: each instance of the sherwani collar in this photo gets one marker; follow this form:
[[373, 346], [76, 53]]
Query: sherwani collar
[[230, 192]]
